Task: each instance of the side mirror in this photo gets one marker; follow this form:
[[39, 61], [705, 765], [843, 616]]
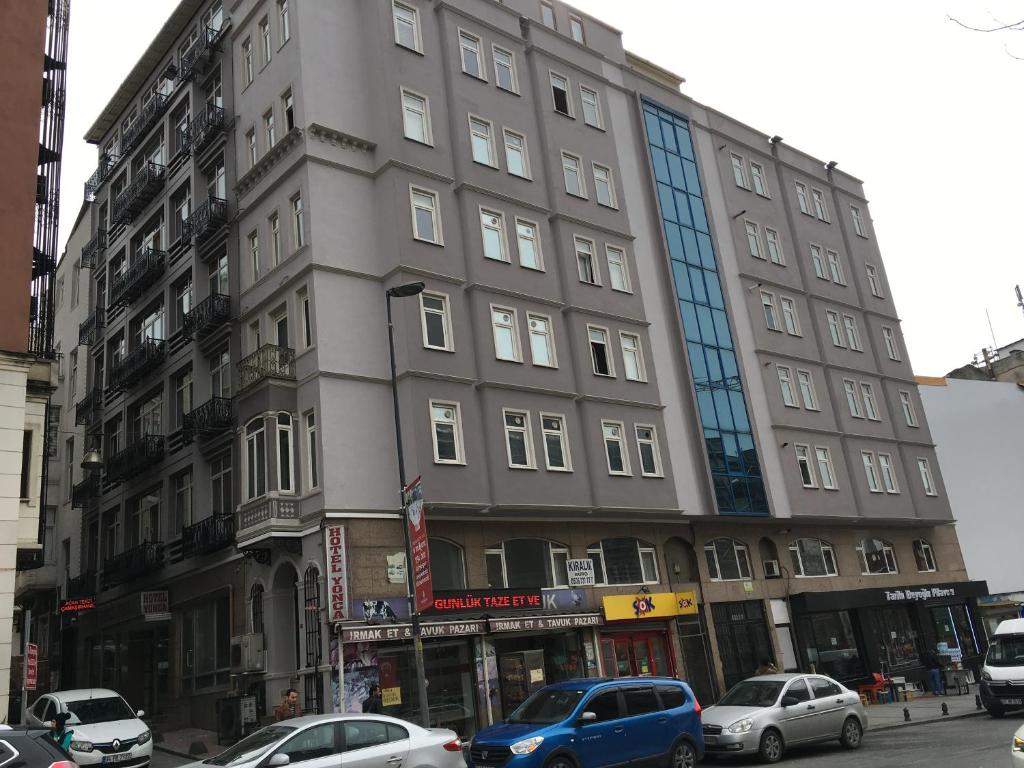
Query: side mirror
[[140, 713], [790, 701], [588, 717], [279, 760]]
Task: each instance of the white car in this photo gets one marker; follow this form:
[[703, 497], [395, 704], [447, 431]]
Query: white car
[[105, 730], [1017, 750]]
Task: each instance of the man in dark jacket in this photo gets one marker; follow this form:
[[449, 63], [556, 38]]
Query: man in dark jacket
[[374, 703], [933, 664]]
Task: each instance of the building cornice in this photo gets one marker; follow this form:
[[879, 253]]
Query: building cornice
[[247, 181]]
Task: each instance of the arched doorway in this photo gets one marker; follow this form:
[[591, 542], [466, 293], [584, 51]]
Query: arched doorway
[[281, 627]]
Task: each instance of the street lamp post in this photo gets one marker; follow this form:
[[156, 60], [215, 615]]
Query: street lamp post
[[400, 292]]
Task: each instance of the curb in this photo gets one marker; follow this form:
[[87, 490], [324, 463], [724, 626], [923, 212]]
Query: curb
[[940, 719], [176, 753]]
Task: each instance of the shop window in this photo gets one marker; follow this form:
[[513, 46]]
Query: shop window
[[923, 556], [519, 563], [206, 644], [876, 557], [623, 561], [728, 560], [813, 557], [898, 636], [447, 565], [954, 632], [830, 645]]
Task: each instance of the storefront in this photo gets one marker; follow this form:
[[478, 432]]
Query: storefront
[[992, 609], [636, 639]]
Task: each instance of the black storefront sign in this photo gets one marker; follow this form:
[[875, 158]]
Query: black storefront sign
[[867, 598], [531, 623], [486, 601]]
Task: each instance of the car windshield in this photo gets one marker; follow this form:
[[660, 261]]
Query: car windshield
[[1006, 651], [752, 693], [100, 710], [251, 746], [547, 706]]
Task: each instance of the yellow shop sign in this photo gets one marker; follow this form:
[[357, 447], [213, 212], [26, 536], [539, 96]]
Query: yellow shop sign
[[653, 605]]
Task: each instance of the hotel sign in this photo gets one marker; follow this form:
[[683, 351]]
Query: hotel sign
[[337, 573]]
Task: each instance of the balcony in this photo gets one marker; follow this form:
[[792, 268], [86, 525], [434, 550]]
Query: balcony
[[210, 535], [82, 586], [197, 58], [89, 408], [141, 454], [86, 494], [89, 329], [207, 316], [145, 270], [147, 182], [209, 419], [151, 113], [137, 364], [205, 220], [101, 174], [267, 515], [92, 250], [138, 561], [206, 126], [267, 362]]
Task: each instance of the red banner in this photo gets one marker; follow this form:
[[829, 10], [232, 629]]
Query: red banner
[[416, 519], [337, 573], [31, 666]]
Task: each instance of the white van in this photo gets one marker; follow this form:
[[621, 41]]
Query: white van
[[1002, 677]]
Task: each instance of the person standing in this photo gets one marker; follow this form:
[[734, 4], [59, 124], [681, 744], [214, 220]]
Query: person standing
[[59, 732], [931, 662], [289, 706], [374, 703], [767, 667]]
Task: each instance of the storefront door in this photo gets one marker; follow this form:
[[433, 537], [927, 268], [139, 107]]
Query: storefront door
[[693, 640], [742, 638], [642, 654]]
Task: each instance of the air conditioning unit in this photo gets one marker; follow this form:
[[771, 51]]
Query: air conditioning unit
[[247, 653], [771, 569]]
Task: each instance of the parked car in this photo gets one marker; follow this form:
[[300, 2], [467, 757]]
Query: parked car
[[104, 728], [361, 741], [31, 749], [1017, 748], [596, 722], [767, 714], [1002, 675]]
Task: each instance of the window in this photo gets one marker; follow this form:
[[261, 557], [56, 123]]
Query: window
[[852, 400], [481, 139], [505, 69], [888, 471], [265, 46], [618, 271], [416, 117], [632, 357], [852, 336], [803, 460], [447, 564], [923, 556], [471, 56], [623, 561], [318, 742], [585, 263], [876, 557], [604, 186], [727, 560], [807, 393], [447, 432], [820, 207], [758, 177], [753, 239], [890, 343], [858, 221], [547, 14], [306, 314], [407, 26], [285, 20], [247, 60], [220, 486], [908, 408], [591, 107], [542, 345], [774, 247], [834, 328], [871, 471], [517, 160], [801, 198], [786, 383], [288, 104], [518, 563], [492, 230], [250, 143], [518, 439], [600, 355], [254, 255], [183, 395], [926, 477], [615, 448], [437, 329], [69, 465], [268, 129], [556, 444], [298, 225], [572, 176], [182, 502], [528, 242], [835, 267], [220, 374], [813, 557], [274, 222], [874, 281], [870, 404], [789, 316], [576, 28], [739, 171], [206, 644], [256, 607], [818, 261], [255, 459], [771, 317], [426, 225], [647, 449], [560, 94], [506, 334], [826, 471]]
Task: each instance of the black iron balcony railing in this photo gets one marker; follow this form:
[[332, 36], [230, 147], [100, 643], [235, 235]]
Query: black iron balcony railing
[[198, 57], [207, 316], [83, 585], [86, 494], [132, 563], [209, 419], [92, 250], [267, 362], [209, 535], [148, 180], [205, 127], [100, 175], [206, 219], [144, 271], [40, 340], [148, 118], [89, 329], [137, 364], [89, 408], [138, 456]]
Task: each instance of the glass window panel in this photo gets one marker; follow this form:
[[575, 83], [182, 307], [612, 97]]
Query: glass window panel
[[653, 129], [681, 280], [697, 283], [668, 205]]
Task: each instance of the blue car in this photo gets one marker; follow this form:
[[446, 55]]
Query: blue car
[[597, 723]]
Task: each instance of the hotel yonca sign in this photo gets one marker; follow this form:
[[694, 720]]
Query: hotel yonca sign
[[337, 572]]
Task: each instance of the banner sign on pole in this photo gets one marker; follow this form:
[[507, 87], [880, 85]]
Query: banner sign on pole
[[31, 666], [416, 519], [337, 573]]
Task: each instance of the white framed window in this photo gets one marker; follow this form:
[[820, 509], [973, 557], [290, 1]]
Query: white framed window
[[600, 352], [807, 393], [492, 233], [835, 267], [790, 320], [255, 458], [877, 557], [284, 18], [265, 44], [446, 432], [858, 221], [531, 254], [298, 222], [505, 76], [648, 451], [774, 243], [907, 404], [632, 357], [786, 384], [591, 102], [874, 281], [870, 471], [623, 561], [472, 55], [820, 206], [250, 144], [891, 347], [805, 466], [604, 186], [517, 159], [426, 222], [802, 199], [435, 315], [407, 26], [542, 340], [618, 269], [518, 439], [556, 443], [312, 453], [826, 471], [888, 472], [269, 135], [753, 239], [819, 262], [416, 117], [274, 222], [771, 314], [586, 264], [285, 454], [481, 140], [576, 29], [573, 175], [727, 559], [247, 67], [852, 400], [835, 328], [926, 477], [547, 14], [505, 329], [254, 255], [870, 404], [924, 557], [560, 94], [615, 448], [739, 171], [852, 334], [759, 179], [812, 558], [307, 318]]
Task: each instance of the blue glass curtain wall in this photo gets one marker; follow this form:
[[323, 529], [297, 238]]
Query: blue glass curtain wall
[[735, 470]]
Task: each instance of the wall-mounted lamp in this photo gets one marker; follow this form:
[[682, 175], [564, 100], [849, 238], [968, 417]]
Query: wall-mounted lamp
[[831, 164], [784, 445], [775, 139], [753, 287], [722, 147], [739, 214]]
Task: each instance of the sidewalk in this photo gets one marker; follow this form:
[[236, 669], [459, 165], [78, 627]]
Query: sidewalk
[[187, 742], [923, 709]]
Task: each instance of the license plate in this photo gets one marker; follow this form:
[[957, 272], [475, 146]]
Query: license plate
[[710, 739], [1013, 702], [120, 758]]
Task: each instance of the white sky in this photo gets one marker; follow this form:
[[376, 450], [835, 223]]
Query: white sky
[[929, 115]]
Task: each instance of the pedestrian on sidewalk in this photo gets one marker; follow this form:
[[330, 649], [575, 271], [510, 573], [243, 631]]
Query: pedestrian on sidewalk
[[374, 703], [59, 732], [767, 667], [930, 661], [289, 706]]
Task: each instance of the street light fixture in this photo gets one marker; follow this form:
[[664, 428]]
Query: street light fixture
[[402, 292]]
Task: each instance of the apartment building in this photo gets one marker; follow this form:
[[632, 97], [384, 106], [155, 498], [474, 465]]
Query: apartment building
[[270, 169]]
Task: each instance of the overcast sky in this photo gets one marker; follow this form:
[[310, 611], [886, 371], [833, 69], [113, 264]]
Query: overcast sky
[[927, 114]]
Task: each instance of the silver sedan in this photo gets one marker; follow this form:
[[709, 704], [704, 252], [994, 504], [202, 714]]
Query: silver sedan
[[766, 714], [343, 741]]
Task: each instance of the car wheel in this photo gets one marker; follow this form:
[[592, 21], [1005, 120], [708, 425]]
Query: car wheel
[[996, 712], [683, 756], [771, 746], [561, 762], [852, 733]]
